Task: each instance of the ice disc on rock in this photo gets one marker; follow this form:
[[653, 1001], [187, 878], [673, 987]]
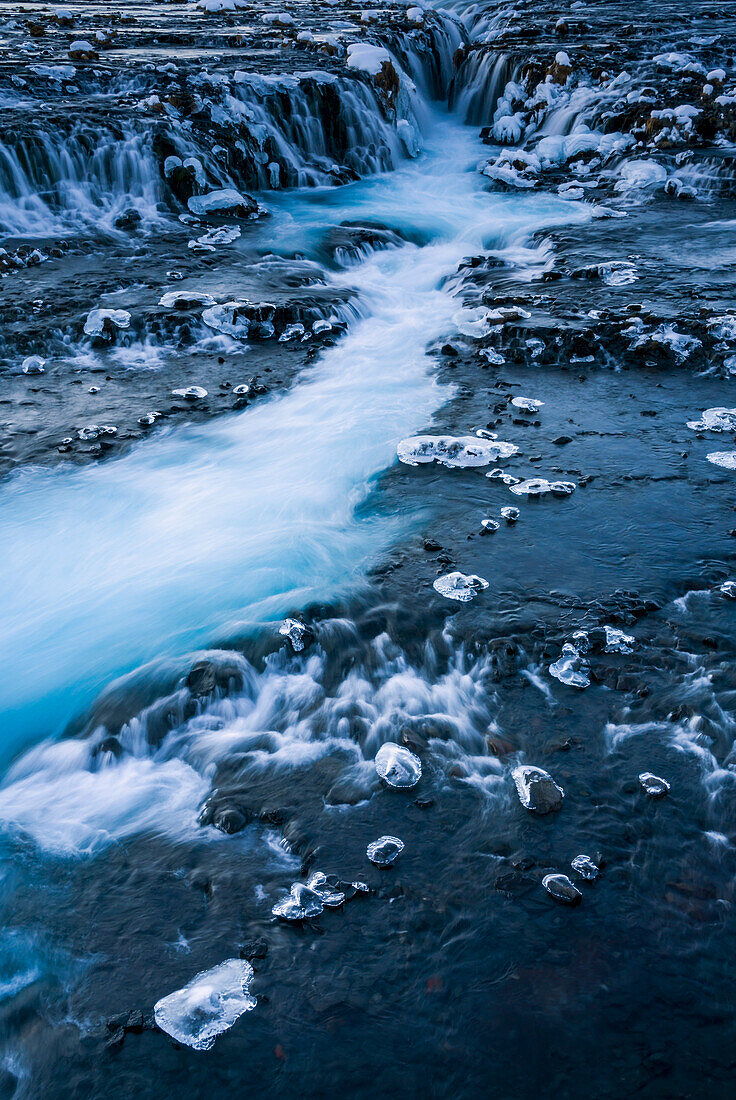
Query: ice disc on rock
[[33, 364], [105, 320], [459, 586], [454, 451], [653, 786], [537, 789], [527, 404], [617, 641], [208, 1005], [192, 393], [295, 632], [303, 903], [385, 850], [585, 866], [398, 766], [561, 889]]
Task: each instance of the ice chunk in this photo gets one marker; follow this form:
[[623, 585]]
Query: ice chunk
[[538, 486], [33, 364], [489, 526], [561, 889], [101, 321], [191, 393], [398, 766], [537, 789], [185, 299], [292, 332], [617, 641], [385, 850], [208, 1005], [510, 514], [653, 786], [454, 451], [726, 459], [728, 589], [527, 404], [718, 419], [295, 632], [230, 318], [585, 866], [303, 903], [571, 668], [459, 586]]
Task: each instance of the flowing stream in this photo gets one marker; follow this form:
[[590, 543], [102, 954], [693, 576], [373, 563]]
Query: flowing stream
[[245, 518]]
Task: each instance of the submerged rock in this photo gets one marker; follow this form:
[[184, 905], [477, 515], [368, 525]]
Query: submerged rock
[[561, 889], [653, 786], [537, 789], [459, 586], [384, 851], [208, 1005], [585, 866], [397, 766]]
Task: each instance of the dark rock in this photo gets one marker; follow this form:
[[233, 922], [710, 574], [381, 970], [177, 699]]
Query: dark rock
[[202, 678]]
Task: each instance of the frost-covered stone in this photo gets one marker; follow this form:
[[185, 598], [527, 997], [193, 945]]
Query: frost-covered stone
[[561, 889], [653, 785], [571, 668], [489, 526], [208, 1005], [384, 851], [537, 789], [105, 321], [728, 589], [459, 586], [586, 867], [226, 202], [454, 451], [397, 766]]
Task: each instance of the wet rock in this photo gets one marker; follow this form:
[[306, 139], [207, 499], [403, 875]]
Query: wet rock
[[653, 786], [561, 889], [384, 851], [537, 790], [397, 766], [128, 220], [202, 678], [254, 949]]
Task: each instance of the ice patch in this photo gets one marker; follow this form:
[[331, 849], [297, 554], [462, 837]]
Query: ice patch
[[571, 668], [453, 451], [725, 459], [208, 1005], [384, 851], [397, 766], [460, 586]]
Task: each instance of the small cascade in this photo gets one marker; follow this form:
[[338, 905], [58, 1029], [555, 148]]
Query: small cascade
[[478, 84]]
